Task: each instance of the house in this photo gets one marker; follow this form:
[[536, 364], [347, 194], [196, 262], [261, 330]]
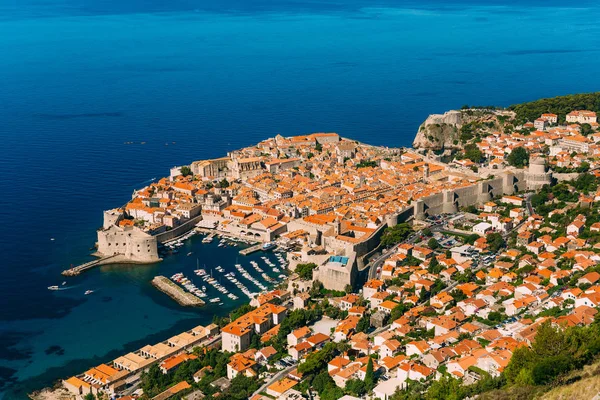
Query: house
[[575, 228], [589, 278], [494, 362], [371, 287], [422, 253], [482, 228], [281, 386], [301, 300], [77, 386], [417, 347], [582, 117], [442, 325], [387, 306], [337, 363], [535, 247], [298, 336], [514, 200], [240, 364], [348, 301], [299, 350], [345, 328], [386, 389], [459, 367], [389, 348], [413, 371], [171, 363], [237, 334], [435, 358], [588, 299], [263, 355]]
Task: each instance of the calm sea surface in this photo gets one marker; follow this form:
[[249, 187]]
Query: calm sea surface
[[194, 79]]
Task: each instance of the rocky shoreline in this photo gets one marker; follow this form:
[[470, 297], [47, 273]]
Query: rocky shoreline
[[183, 298]]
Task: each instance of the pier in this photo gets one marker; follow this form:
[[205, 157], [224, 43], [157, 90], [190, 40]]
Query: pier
[[251, 249], [88, 265]]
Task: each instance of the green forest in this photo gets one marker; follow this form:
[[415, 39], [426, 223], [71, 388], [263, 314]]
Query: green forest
[[561, 105]]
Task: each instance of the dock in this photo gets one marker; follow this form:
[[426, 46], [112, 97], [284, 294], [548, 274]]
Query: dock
[[88, 265], [175, 292], [251, 249]]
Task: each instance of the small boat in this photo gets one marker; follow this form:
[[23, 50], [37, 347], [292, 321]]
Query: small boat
[[52, 239], [190, 253], [64, 283], [88, 292], [268, 246], [53, 287]]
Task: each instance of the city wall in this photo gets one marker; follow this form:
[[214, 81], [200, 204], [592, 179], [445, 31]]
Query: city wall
[[178, 231], [449, 201]]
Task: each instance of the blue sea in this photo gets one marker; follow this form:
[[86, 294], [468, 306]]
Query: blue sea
[[193, 79]]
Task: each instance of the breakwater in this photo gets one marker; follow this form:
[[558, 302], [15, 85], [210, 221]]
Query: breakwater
[[183, 298]]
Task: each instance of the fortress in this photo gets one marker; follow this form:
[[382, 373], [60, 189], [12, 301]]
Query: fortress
[[129, 241]]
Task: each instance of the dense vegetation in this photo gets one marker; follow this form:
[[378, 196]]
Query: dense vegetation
[[395, 234], [519, 157], [366, 164], [305, 271], [561, 106]]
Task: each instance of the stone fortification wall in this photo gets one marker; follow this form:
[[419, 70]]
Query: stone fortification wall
[[178, 231], [130, 242], [338, 278], [450, 201]]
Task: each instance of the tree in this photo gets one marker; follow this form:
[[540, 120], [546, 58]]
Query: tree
[[356, 387], [473, 153], [433, 244], [495, 241], [446, 388], [398, 311], [348, 288], [519, 157], [471, 238], [305, 271], [434, 266], [370, 376], [458, 295], [186, 171], [363, 324], [317, 361], [395, 234]]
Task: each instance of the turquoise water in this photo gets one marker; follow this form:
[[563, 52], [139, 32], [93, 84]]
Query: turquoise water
[[79, 78]]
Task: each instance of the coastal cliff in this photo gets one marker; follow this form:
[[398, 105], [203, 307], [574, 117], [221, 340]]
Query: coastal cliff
[[452, 129]]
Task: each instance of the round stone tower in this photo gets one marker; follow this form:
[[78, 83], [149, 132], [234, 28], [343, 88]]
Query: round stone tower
[[536, 175]]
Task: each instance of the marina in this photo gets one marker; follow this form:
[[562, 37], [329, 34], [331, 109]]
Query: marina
[[217, 281]]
